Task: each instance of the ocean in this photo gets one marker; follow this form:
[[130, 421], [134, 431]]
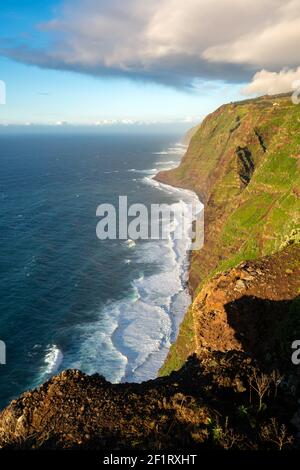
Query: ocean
[[68, 299]]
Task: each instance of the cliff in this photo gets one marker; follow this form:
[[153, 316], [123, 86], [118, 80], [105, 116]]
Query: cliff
[[243, 162], [228, 381], [190, 133]]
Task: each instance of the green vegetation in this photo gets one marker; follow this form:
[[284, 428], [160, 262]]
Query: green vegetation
[[183, 346], [245, 218]]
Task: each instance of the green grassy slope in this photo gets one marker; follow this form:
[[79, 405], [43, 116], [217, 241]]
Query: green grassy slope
[[244, 163]]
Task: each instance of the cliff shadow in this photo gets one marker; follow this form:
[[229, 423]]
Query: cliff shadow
[[266, 328]]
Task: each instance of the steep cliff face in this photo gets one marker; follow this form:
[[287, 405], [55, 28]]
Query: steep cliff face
[[239, 387], [243, 162], [190, 133], [240, 308]]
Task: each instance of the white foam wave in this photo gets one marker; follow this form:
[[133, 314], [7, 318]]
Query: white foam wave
[[176, 149], [53, 359], [169, 162], [147, 326], [150, 171], [152, 182], [97, 353], [142, 329]]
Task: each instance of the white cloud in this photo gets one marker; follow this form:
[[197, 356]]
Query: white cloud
[[174, 41], [112, 122], [275, 45], [270, 83]]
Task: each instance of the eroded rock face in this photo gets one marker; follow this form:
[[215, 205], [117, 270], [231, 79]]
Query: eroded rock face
[[245, 163], [250, 308]]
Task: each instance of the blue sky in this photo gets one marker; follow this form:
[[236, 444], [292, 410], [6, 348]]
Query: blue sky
[[118, 61], [49, 96]]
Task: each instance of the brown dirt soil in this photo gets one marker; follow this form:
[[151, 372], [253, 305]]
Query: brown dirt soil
[[239, 308]]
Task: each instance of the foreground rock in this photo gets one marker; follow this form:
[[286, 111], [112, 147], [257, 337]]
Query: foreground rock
[[207, 404]]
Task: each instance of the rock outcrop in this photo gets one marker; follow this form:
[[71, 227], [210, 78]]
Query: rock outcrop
[[240, 308]]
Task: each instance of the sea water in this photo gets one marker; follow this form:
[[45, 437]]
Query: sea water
[[68, 299]]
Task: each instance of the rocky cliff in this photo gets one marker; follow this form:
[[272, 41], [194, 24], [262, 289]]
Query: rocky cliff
[[229, 381], [243, 162]]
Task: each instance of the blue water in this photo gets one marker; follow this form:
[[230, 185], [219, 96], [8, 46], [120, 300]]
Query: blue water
[[68, 299]]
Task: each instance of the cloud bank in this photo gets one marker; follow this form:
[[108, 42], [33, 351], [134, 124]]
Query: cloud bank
[[271, 83], [171, 41]]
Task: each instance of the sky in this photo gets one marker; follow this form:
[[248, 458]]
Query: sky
[[128, 62]]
